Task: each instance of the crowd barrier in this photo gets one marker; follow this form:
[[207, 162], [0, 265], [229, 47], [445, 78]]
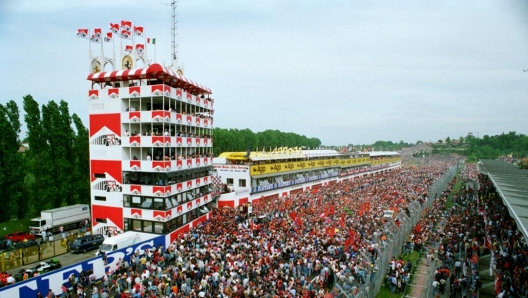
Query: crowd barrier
[[396, 238], [12, 259]]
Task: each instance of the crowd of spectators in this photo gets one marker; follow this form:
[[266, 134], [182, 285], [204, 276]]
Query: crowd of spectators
[[509, 264], [300, 245]]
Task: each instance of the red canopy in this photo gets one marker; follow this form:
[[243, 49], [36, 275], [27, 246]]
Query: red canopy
[[154, 71]]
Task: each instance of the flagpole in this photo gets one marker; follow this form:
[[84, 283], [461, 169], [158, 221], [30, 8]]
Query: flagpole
[[90, 50], [145, 43], [102, 58], [113, 54]]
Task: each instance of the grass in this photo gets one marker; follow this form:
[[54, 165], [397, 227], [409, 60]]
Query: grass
[[414, 257], [458, 185], [14, 225]]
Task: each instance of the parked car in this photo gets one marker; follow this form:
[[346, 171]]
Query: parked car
[[41, 268], [20, 236], [4, 244], [86, 243]]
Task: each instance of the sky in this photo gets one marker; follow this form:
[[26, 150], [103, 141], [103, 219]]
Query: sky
[[342, 71]]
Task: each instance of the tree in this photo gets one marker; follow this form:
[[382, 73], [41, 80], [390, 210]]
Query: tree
[[81, 163], [11, 182]]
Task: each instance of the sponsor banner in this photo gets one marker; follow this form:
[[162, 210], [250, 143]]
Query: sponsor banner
[[54, 279], [263, 169]]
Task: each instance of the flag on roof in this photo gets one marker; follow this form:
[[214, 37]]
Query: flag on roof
[[151, 40], [97, 32], [108, 37], [126, 25], [95, 38], [82, 33], [125, 34], [138, 30], [140, 48], [114, 27]]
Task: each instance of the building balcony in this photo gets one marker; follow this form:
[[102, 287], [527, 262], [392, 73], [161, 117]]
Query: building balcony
[[166, 165], [158, 116], [165, 141], [145, 188]]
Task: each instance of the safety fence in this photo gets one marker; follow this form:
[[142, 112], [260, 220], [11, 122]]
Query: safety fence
[[393, 247], [23, 254]]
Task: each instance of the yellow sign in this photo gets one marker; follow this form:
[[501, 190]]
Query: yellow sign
[[282, 167]]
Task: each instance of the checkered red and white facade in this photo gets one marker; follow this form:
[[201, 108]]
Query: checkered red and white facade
[[136, 116]]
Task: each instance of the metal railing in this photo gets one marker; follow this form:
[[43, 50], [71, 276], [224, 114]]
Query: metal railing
[[14, 258], [393, 247]]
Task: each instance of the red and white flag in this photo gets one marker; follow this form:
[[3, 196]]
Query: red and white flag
[[108, 37], [138, 30], [82, 33], [95, 38], [125, 34], [126, 25], [97, 32], [128, 49], [140, 48], [114, 28]]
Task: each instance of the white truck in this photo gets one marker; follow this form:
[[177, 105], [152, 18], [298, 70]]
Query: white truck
[[119, 241], [69, 218]]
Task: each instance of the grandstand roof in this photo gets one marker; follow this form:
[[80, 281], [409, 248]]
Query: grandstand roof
[[512, 185]]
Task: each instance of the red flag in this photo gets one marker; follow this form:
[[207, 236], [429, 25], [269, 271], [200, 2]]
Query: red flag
[[348, 242], [140, 48], [332, 209], [299, 221], [82, 33], [322, 215], [138, 30], [487, 243], [126, 25], [114, 28], [97, 32], [330, 231], [352, 234], [293, 215], [342, 221], [108, 37], [125, 34]]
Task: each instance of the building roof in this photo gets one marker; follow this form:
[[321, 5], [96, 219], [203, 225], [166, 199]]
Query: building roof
[[153, 71], [512, 185]]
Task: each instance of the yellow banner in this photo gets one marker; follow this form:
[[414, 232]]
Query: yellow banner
[[281, 167], [376, 162]]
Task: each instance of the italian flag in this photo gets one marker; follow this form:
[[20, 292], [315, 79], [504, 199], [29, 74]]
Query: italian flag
[[151, 40]]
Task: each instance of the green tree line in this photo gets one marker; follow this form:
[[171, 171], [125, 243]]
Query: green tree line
[[54, 171], [491, 147], [487, 147], [240, 140]]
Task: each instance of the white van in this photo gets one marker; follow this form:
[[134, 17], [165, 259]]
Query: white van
[[118, 242]]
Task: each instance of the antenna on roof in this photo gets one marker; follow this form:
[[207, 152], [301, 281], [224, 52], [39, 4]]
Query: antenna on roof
[[174, 33]]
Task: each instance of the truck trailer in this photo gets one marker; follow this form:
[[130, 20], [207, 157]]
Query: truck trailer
[[69, 218]]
